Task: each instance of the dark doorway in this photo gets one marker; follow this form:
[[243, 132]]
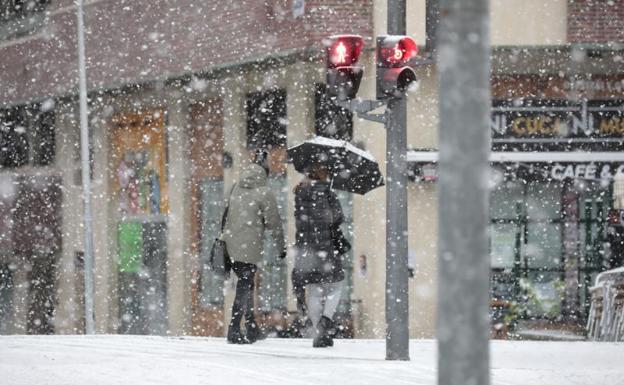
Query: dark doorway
[[37, 245]]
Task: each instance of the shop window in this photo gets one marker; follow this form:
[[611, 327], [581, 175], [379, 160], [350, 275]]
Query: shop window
[[273, 273], [526, 246], [138, 171], [211, 210], [206, 156], [13, 139], [330, 120], [139, 164], [18, 17], [43, 145], [142, 277], [26, 137], [266, 119], [20, 9]]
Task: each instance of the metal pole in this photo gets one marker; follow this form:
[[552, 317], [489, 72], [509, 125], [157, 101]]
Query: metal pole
[[86, 176], [397, 299], [432, 11], [463, 295]]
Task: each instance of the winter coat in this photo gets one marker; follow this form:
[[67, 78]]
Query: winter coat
[[253, 210], [317, 211]]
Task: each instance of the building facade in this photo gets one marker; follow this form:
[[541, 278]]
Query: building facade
[[180, 93]]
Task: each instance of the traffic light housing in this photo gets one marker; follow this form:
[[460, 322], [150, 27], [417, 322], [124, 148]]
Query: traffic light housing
[[343, 73], [394, 75]]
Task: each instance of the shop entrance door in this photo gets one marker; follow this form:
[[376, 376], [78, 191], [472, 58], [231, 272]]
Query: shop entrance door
[[139, 184], [592, 232]]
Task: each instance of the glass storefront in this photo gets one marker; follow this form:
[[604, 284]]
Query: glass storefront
[[546, 237]]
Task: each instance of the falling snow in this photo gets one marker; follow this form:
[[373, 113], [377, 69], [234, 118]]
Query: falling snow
[[503, 201]]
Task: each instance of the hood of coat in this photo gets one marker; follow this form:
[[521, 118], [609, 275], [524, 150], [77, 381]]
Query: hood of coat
[[253, 176]]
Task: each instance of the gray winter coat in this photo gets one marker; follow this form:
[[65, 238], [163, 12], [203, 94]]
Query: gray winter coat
[[253, 210], [317, 211]]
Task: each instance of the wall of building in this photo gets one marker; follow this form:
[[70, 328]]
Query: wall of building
[[139, 41], [595, 21], [513, 22]]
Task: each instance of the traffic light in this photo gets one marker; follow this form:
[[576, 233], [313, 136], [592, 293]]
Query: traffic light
[[394, 75], [343, 74]]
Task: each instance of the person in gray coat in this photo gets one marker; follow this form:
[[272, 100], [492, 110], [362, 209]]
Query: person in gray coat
[[252, 210], [317, 263]]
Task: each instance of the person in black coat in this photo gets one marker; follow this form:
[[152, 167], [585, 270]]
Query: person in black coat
[[317, 265]]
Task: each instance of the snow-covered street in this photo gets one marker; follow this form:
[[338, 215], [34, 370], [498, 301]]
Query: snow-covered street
[[108, 359]]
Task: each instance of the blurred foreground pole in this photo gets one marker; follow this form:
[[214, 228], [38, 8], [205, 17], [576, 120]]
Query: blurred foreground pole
[[464, 69], [86, 176], [397, 299]]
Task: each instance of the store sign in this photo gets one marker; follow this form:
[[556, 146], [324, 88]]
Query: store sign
[[590, 171], [554, 121]]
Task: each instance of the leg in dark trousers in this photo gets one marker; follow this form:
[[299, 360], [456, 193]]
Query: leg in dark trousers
[[299, 324], [299, 292], [243, 302]]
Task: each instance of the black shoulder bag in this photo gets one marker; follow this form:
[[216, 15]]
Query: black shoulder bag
[[220, 261]]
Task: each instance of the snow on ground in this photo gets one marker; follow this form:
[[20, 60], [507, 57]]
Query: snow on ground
[[137, 360]]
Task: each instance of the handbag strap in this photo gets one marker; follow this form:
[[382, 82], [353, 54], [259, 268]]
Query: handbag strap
[[227, 208]]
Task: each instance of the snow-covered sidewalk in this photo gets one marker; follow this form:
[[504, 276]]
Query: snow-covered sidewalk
[[136, 360]]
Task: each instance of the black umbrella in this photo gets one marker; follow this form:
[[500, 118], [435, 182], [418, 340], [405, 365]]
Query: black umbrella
[[353, 170]]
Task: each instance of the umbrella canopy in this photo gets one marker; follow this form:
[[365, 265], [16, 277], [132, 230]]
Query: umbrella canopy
[[352, 169]]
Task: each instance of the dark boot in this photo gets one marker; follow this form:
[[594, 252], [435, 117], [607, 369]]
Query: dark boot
[[253, 331], [324, 337], [296, 329], [235, 336]]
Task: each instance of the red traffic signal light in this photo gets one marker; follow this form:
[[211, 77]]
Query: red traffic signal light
[[342, 55], [394, 75], [343, 50], [396, 51]]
